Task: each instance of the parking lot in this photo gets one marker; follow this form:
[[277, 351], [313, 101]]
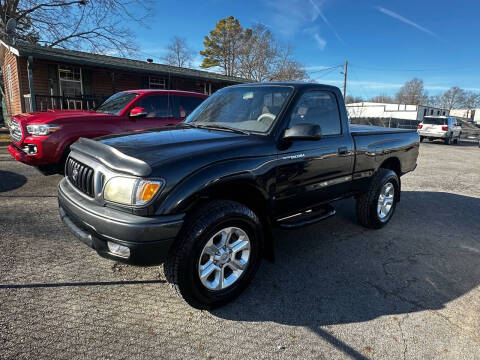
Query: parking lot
[[336, 290]]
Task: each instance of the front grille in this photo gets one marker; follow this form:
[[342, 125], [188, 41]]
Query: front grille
[[15, 131], [81, 176]]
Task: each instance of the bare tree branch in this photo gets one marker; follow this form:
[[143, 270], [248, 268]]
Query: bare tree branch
[[91, 25]]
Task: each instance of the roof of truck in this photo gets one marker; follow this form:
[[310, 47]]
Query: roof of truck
[[171, 92]]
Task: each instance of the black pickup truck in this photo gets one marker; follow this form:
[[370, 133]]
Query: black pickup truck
[[202, 197]]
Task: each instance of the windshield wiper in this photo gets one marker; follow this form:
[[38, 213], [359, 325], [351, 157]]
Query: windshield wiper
[[187, 125], [223, 127]]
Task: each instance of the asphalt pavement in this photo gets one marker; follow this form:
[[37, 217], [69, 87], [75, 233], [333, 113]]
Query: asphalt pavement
[[335, 291]]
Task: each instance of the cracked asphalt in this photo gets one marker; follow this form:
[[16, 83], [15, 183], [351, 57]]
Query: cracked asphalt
[[336, 290]]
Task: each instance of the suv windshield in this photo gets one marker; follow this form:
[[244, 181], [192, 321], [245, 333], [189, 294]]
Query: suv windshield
[[245, 108], [116, 103], [435, 121]]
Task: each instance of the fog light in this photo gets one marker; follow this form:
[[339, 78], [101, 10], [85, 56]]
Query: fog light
[[118, 250], [30, 149]]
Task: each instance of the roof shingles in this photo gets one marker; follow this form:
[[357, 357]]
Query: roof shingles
[[84, 58]]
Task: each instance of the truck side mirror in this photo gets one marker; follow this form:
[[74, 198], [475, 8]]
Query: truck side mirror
[[138, 112], [303, 132]]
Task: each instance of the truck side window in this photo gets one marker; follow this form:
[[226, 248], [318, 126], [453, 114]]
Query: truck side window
[[184, 105], [156, 106], [320, 108]]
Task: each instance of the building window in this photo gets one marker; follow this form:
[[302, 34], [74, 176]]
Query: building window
[[70, 80], [9, 76], [156, 82], [431, 111], [424, 112]]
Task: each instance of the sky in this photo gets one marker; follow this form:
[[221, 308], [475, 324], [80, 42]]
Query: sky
[[385, 42]]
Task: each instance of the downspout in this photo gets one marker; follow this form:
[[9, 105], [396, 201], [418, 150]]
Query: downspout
[[33, 103]]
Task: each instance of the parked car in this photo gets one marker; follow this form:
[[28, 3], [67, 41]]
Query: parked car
[[203, 196], [43, 139], [446, 128]]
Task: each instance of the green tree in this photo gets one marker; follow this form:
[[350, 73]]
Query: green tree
[[223, 46]]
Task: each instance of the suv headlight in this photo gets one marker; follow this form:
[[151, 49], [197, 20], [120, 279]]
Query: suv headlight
[[131, 191], [42, 129]]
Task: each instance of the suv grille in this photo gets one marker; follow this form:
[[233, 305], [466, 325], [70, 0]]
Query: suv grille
[[15, 131], [81, 176]]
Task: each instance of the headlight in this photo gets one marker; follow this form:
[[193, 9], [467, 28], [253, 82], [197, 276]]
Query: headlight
[[42, 129], [131, 191]]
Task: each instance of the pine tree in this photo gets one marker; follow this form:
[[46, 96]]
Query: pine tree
[[223, 45]]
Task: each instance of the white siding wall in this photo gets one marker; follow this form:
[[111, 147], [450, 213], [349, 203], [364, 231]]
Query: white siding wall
[[396, 111]]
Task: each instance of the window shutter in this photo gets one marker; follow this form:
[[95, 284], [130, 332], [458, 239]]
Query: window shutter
[[53, 87], [87, 81], [145, 82]]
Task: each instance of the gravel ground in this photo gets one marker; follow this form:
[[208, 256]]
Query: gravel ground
[[336, 290]]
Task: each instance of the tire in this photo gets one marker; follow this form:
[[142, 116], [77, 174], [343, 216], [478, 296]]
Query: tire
[[367, 203], [182, 267]]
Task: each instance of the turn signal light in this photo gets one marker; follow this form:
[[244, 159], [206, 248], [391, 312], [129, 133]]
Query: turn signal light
[[420, 126], [148, 191]]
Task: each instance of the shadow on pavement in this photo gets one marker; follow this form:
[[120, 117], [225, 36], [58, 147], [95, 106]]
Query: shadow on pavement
[[90, 283], [337, 272], [11, 181]]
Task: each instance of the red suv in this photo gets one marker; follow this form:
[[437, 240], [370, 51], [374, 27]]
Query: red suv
[[43, 139]]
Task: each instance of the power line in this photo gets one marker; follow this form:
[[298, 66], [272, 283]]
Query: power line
[[327, 68], [409, 70]]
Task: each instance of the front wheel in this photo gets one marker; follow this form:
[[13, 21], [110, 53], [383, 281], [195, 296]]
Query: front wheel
[[375, 208], [216, 254]]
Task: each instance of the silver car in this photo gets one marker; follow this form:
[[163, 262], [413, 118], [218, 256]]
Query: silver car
[[446, 128]]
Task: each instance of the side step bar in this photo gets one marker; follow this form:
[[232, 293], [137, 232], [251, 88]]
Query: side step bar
[[307, 217]]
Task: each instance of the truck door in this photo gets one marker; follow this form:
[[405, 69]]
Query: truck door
[[159, 113], [314, 171]]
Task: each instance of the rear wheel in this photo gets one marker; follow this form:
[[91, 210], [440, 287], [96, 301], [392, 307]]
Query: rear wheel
[[375, 208], [216, 254]]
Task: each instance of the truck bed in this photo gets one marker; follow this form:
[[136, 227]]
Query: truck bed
[[359, 130]]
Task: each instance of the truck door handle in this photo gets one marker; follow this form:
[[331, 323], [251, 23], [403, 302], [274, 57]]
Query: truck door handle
[[342, 150]]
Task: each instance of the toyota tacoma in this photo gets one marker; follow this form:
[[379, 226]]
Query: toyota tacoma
[[202, 197], [43, 139]]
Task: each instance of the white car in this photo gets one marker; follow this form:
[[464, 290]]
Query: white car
[[446, 128]]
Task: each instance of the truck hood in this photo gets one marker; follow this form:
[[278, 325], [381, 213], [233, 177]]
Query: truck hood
[[59, 116], [173, 144]]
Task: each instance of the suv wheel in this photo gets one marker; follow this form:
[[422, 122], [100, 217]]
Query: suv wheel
[[216, 254], [375, 208]]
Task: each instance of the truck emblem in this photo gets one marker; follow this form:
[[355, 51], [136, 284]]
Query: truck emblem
[[293, 157], [75, 174]]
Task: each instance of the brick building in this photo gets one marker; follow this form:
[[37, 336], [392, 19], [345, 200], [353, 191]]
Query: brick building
[[41, 78]]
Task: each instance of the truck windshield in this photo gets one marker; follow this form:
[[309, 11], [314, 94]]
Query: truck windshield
[[435, 121], [245, 108], [116, 103]]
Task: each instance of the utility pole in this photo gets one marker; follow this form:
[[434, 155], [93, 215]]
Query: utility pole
[[345, 79]]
